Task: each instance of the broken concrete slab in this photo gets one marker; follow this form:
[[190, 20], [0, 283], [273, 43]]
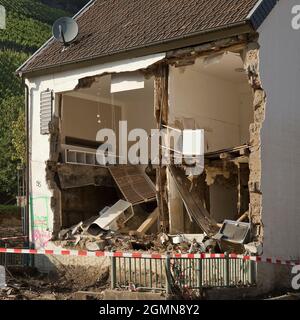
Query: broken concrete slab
[[96, 246], [69, 233], [2, 278], [73, 176], [254, 248], [109, 220]]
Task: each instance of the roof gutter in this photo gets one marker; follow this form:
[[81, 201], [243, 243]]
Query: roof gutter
[[161, 46], [19, 70]]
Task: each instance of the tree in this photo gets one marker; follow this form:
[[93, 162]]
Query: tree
[[19, 139], [12, 142]]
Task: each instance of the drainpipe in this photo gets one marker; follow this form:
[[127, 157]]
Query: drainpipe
[[27, 210]]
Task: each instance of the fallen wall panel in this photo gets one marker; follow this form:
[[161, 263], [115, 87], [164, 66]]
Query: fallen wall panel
[[193, 203], [134, 184]]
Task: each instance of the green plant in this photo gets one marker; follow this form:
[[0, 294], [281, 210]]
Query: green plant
[[28, 27]]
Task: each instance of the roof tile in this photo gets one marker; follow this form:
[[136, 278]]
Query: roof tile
[[112, 26]]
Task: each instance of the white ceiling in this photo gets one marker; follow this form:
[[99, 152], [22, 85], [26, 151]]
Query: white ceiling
[[222, 66]]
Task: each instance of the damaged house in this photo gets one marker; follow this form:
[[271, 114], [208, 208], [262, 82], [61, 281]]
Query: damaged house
[[224, 69]]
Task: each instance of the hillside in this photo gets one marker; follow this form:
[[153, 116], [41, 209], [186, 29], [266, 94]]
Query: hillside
[[28, 27]]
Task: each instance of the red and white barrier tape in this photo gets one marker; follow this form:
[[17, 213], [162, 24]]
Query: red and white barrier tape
[[84, 253]]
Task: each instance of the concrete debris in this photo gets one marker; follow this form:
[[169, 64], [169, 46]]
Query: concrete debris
[[254, 248], [111, 219], [66, 234], [76, 228], [232, 238], [197, 247], [96, 246], [211, 246], [116, 241], [195, 237], [178, 239], [106, 232], [2, 277], [164, 238]]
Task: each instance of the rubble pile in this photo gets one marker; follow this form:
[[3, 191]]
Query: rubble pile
[[85, 236], [79, 238]]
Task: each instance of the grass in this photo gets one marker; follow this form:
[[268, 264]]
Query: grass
[[9, 210], [28, 26]]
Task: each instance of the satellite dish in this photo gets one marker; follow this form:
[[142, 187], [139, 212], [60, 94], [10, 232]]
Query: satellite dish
[[65, 30]]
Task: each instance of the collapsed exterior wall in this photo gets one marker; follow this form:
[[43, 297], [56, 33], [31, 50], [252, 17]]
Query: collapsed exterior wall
[[178, 58], [248, 47]]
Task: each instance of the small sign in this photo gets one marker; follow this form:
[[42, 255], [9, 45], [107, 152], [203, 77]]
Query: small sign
[[2, 278], [2, 17]]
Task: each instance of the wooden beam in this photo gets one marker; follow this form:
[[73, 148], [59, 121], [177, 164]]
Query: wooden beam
[[243, 217], [161, 108], [193, 202], [149, 222]]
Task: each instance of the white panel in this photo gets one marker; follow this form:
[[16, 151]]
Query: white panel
[[112, 214], [193, 142], [127, 81]]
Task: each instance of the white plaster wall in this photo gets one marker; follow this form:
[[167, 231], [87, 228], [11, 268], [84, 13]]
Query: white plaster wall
[[214, 103], [138, 107], [80, 120], [41, 223], [280, 73], [246, 111]]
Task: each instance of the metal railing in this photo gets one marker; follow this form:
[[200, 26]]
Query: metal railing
[[195, 273], [15, 260]]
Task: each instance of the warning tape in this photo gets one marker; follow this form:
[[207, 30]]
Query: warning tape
[[84, 253]]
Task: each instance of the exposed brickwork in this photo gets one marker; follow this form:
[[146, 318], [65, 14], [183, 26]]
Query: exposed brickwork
[[251, 60]]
